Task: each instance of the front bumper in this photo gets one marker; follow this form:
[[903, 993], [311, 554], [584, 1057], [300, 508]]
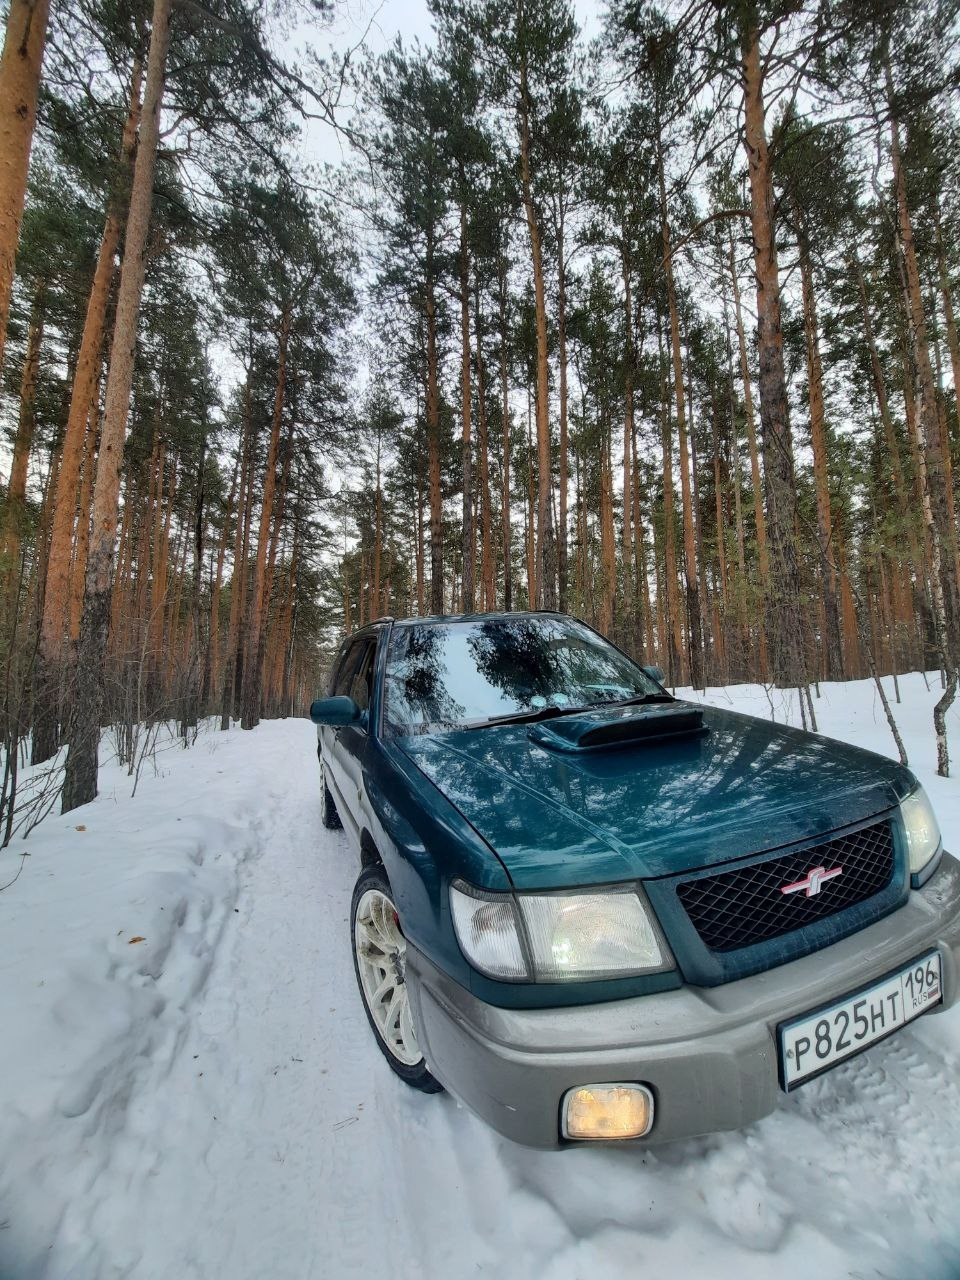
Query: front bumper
[[708, 1053]]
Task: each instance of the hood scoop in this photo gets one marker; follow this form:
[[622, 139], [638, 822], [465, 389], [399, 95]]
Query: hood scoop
[[606, 730]]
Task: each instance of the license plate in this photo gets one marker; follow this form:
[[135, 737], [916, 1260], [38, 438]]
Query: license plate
[[817, 1041]]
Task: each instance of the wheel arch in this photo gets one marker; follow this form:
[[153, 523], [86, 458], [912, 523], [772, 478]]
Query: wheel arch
[[369, 853]]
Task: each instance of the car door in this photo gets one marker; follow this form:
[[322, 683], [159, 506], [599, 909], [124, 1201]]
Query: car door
[[340, 680], [350, 742]]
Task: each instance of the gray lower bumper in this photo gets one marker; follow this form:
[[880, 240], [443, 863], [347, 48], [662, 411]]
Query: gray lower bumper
[[708, 1053]]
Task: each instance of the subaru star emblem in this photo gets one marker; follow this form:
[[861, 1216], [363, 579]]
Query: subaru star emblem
[[813, 881]]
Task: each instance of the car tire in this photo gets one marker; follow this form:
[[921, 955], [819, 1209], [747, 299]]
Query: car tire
[[379, 950], [331, 819]]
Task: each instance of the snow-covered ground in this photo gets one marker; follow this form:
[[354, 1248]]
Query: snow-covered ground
[[189, 1090]]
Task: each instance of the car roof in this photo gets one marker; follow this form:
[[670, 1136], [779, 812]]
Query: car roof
[[432, 619], [435, 619]]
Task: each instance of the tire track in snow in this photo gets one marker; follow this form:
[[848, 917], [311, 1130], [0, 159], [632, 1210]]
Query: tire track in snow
[[177, 973], [291, 1174]]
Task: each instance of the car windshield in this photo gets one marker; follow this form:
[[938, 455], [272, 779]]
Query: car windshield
[[472, 673]]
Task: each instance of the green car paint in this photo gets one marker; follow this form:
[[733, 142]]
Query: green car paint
[[500, 809]]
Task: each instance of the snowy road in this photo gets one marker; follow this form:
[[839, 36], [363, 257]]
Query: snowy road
[[255, 1131]]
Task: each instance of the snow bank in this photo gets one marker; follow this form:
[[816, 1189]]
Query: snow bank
[[108, 936], [207, 1101]]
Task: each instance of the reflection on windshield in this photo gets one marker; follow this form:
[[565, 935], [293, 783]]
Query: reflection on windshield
[[465, 673]]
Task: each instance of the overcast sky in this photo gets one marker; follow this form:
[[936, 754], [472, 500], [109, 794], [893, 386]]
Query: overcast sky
[[380, 22]]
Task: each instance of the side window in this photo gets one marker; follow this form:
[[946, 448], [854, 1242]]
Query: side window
[[340, 681], [362, 680]]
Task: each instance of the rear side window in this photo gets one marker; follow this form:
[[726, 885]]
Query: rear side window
[[342, 672], [361, 683]]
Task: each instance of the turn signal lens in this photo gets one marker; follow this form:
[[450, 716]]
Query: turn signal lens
[[486, 928], [607, 1111]]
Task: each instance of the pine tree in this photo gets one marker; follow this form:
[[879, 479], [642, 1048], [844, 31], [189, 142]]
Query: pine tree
[[19, 81]]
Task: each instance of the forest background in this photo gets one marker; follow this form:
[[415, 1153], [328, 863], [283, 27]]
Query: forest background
[[652, 323]]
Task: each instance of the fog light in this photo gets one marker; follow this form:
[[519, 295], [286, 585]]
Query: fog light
[[607, 1111]]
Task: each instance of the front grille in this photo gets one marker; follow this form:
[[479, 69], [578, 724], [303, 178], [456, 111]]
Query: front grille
[[739, 908]]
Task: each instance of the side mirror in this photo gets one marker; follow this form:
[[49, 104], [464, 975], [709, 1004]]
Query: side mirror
[[335, 711], [655, 673]]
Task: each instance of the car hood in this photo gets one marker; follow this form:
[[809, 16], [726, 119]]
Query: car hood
[[655, 808]]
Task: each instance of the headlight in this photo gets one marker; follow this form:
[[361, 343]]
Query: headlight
[[923, 835], [557, 937]]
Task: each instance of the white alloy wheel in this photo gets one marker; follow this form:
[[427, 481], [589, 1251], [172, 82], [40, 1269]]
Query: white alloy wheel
[[381, 952]]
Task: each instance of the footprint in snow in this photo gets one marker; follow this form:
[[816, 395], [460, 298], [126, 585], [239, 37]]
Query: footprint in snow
[[217, 1017], [746, 1211]]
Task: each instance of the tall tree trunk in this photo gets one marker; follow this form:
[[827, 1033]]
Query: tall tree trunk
[[531, 520], [50, 660], [505, 416], [949, 317], [659, 577], [256, 603], [19, 80], [196, 659], [818, 440], [628, 427], [78, 566], [23, 441], [433, 446], [880, 391], [694, 613], [420, 555], [759, 519], [240, 537], [608, 549], [562, 538], [735, 482], [640, 557], [211, 675], [718, 488], [851, 640], [80, 778], [706, 613], [244, 587], [38, 569], [546, 559], [377, 530], [697, 520], [175, 551], [160, 563], [276, 532], [483, 443], [784, 623], [672, 644], [290, 616], [126, 605], [941, 402], [131, 629], [468, 548], [580, 571]]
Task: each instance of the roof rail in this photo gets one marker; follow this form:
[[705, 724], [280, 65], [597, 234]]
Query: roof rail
[[387, 617]]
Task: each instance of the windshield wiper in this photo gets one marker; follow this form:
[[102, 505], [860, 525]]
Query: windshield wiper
[[549, 713], [528, 717]]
